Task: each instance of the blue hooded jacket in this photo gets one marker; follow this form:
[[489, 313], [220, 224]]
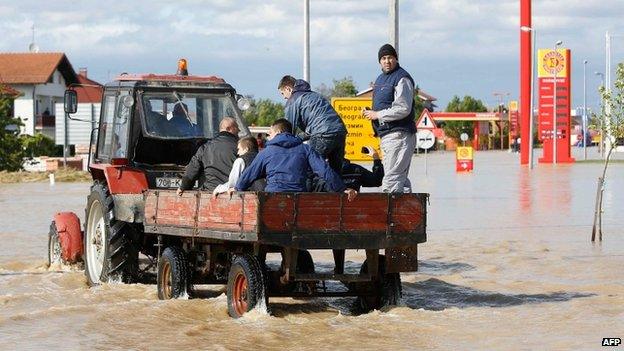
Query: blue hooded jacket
[[311, 112], [285, 162]]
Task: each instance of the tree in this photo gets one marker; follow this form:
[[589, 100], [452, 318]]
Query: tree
[[612, 116], [344, 87], [263, 112], [11, 151], [453, 129], [38, 145]]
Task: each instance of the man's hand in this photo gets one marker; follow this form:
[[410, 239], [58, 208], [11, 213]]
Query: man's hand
[[375, 155], [179, 191], [351, 194], [370, 114]]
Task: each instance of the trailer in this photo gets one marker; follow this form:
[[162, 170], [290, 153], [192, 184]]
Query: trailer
[[225, 240]]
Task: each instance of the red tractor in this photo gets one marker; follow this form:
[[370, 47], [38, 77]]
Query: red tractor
[[149, 128]]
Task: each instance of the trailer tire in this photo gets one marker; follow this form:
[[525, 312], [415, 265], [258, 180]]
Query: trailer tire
[[173, 274], [247, 285], [387, 288], [110, 251], [54, 246]]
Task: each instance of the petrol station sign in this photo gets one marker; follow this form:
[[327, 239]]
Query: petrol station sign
[[554, 70], [359, 129], [514, 120]]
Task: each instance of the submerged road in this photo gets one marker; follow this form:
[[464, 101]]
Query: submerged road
[[508, 265]]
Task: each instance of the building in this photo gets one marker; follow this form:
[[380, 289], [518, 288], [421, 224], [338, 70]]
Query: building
[[41, 78]]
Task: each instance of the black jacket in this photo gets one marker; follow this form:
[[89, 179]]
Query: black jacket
[[354, 176], [212, 161]]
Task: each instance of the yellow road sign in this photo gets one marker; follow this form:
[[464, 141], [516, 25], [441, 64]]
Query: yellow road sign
[[359, 129]]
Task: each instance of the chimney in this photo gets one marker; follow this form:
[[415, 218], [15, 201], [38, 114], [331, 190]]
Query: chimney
[[82, 71]]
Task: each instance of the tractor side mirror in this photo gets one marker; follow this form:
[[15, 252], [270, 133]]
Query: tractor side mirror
[[71, 101]]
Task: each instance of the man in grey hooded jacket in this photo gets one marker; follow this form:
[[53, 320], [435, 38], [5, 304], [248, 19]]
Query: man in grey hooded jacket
[[313, 114]]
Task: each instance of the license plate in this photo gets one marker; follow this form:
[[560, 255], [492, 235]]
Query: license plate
[[166, 182]]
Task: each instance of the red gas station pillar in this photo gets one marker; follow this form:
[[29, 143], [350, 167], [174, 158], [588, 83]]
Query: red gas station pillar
[[475, 140], [525, 80]]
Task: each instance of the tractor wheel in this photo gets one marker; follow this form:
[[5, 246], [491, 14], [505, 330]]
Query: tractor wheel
[[109, 249], [387, 288], [54, 246], [246, 286], [172, 274]]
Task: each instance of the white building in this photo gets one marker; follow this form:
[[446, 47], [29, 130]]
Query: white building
[[42, 79]]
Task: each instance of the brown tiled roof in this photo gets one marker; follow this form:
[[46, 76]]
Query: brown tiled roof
[[88, 90], [34, 68]]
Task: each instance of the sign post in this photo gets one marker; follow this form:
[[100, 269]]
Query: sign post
[[554, 105], [424, 135], [425, 140], [359, 130]]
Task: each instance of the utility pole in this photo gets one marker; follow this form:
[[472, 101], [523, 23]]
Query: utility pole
[[584, 110], [394, 24], [306, 40]]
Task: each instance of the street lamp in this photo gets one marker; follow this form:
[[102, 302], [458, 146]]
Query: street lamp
[[554, 135], [584, 111], [533, 54], [601, 105]]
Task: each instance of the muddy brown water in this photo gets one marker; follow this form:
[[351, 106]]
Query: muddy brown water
[[508, 265]]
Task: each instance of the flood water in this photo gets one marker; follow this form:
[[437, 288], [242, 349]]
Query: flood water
[[508, 265]]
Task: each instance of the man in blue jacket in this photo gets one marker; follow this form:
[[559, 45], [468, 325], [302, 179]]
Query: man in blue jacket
[[312, 113], [285, 162]]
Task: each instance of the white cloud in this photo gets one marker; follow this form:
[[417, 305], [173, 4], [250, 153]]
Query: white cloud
[[448, 41]]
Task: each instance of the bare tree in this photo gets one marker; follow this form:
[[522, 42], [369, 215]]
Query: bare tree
[[612, 117]]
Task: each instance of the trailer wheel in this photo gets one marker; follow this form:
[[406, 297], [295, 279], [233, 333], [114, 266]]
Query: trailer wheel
[[54, 246], [387, 288], [109, 249], [172, 273], [246, 286]]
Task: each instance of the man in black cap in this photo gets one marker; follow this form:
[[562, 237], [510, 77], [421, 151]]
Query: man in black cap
[[393, 120]]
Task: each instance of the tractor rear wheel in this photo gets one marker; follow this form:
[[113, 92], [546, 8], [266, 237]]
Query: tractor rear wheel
[[246, 286], [387, 288], [109, 248], [172, 274]]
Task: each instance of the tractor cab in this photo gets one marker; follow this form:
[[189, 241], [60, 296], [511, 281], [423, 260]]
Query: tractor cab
[[155, 123]]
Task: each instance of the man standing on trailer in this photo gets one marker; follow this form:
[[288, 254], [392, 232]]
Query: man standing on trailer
[[393, 120]]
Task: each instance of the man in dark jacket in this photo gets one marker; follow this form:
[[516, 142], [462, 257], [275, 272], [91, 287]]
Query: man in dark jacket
[[285, 162], [393, 120], [214, 159], [355, 176], [312, 113]]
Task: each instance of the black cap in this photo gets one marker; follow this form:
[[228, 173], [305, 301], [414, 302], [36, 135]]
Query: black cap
[[386, 49]]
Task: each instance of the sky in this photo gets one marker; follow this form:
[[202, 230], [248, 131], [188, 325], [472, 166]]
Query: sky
[[451, 47]]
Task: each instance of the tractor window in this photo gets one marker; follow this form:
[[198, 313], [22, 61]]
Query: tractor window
[[187, 115], [105, 140], [122, 122]]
